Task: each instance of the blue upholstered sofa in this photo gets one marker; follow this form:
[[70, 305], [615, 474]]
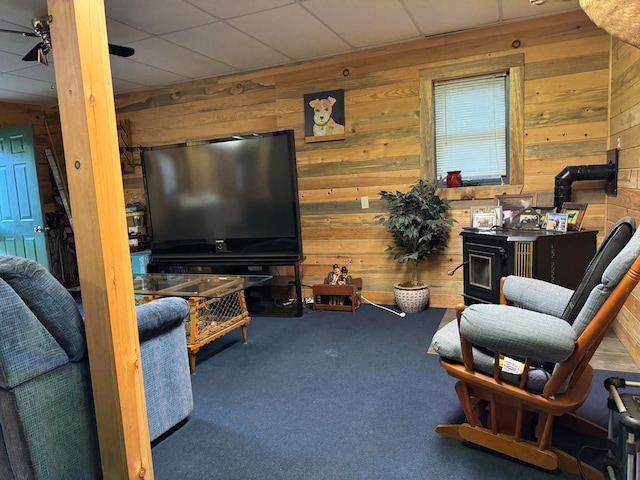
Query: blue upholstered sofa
[[47, 418]]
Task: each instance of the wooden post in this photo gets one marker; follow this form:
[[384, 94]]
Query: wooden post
[[87, 114]]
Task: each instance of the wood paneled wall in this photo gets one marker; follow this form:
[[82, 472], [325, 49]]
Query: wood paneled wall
[[625, 133], [565, 123], [566, 79]]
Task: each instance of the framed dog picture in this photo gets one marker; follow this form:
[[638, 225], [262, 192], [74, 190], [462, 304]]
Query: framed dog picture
[[324, 116], [575, 214]]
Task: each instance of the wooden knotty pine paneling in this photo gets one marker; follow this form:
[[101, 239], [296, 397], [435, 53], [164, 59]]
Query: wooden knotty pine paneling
[[625, 132], [565, 123]]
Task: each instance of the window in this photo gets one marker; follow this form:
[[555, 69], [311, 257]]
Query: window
[[507, 70], [471, 128]]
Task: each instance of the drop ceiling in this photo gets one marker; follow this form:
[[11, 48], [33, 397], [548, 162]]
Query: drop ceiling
[[182, 40]]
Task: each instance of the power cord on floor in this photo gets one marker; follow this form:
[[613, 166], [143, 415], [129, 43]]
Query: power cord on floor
[[400, 314], [579, 457]]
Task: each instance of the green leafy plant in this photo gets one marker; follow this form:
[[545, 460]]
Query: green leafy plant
[[418, 224]]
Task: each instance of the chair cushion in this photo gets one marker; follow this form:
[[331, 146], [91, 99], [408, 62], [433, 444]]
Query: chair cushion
[[610, 279], [49, 301], [446, 343], [536, 295], [517, 332], [613, 243]]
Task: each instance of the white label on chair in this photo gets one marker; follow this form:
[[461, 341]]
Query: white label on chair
[[509, 365]]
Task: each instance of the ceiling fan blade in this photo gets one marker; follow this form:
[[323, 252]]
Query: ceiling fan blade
[[24, 34], [32, 56], [121, 51]]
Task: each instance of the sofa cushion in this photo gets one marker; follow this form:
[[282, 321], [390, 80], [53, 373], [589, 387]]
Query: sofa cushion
[[613, 243], [159, 316], [27, 349], [49, 301]]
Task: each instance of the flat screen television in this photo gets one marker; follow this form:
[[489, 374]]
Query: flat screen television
[[231, 198]]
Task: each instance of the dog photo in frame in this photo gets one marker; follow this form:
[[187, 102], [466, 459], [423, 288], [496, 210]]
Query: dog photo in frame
[[575, 214], [324, 116]]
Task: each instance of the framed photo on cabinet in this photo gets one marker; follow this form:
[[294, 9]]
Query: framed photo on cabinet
[[557, 222], [575, 214]]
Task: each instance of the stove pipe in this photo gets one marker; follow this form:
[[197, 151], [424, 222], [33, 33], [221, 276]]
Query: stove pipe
[[565, 179]]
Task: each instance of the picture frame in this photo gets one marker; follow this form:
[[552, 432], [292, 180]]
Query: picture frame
[[557, 222], [529, 219], [512, 205], [324, 117], [575, 214], [497, 211], [484, 221], [543, 211], [473, 211], [494, 210], [513, 202]]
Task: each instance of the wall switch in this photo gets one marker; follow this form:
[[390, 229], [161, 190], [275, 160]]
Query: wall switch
[[365, 202]]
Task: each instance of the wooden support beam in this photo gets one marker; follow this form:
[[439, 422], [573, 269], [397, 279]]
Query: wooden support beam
[[87, 114]]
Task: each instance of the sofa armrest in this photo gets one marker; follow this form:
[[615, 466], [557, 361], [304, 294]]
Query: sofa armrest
[[160, 315], [536, 295], [517, 332]]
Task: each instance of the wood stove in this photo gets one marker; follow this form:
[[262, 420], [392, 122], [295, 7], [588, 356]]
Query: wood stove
[[559, 258]]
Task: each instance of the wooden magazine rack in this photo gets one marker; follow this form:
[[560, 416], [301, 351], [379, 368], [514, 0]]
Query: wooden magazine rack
[[345, 298]]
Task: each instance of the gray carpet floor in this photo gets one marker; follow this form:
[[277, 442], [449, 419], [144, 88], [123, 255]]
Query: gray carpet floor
[[331, 396]]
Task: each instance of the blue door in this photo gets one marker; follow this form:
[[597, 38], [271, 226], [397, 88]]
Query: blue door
[[22, 231]]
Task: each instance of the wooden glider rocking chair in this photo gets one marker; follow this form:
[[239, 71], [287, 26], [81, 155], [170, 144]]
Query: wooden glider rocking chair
[[527, 365]]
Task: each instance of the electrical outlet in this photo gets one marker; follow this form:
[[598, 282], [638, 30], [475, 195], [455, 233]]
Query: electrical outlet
[[365, 202]]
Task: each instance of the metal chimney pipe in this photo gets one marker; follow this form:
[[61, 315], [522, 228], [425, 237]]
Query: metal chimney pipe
[[565, 179]]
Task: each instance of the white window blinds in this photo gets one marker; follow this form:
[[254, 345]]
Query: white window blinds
[[471, 119]]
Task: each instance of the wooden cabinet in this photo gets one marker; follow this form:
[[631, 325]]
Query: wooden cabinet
[[559, 258]]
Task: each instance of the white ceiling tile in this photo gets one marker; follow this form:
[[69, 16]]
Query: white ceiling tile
[[135, 72], [437, 16], [227, 45], [122, 34], [293, 31], [385, 22], [21, 12], [11, 96], [173, 58], [207, 38], [236, 8], [512, 10], [27, 85], [157, 16], [38, 71], [10, 62], [122, 86]]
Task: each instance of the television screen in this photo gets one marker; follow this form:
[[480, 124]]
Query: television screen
[[232, 196]]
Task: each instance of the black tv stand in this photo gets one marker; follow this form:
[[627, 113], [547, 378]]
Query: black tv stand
[[230, 264]]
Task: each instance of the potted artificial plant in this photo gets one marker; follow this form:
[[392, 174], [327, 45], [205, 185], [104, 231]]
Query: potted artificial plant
[[418, 224]]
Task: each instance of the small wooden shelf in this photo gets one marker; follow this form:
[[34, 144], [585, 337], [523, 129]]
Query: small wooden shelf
[[345, 298]]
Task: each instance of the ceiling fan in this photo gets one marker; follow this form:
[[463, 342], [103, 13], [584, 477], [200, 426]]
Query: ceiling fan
[[40, 51]]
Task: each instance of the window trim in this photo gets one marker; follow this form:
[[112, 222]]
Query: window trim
[[514, 64]]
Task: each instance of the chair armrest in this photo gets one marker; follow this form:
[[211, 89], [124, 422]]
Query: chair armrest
[[517, 332], [536, 295], [160, 315]]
